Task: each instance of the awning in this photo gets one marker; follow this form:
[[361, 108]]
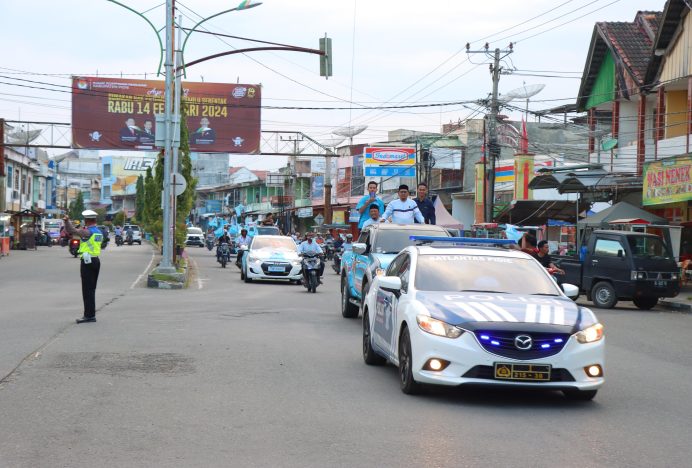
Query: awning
[[629, 221], [584, 181], [538, 212]]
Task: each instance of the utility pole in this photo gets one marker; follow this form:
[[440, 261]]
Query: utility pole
[[166, 265], [493, 149], [3, 186], [328, 188]]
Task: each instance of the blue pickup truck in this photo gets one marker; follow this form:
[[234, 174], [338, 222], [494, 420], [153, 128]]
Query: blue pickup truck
[[377, 246]]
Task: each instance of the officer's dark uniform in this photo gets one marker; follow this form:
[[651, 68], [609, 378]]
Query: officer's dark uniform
[[90, 266]]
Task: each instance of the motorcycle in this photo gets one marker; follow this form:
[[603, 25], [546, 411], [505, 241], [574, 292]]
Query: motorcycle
[[210, 243], [336, 265], [311, 269], [118, 240], [74, 247], [242, 250], [224, 254], [129, 239], [329, 250]]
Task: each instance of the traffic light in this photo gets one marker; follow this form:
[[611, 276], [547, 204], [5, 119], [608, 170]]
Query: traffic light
[[326, 58]]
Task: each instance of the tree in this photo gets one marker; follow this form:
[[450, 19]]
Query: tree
[[139, 201], [187, 199], [100, 215], [77, 206], [152, 198], [119, 218]]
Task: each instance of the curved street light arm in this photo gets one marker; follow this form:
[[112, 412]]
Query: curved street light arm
[[251, 49], [158, 37]]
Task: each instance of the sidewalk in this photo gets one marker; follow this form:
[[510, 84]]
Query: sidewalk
[[681, 302]]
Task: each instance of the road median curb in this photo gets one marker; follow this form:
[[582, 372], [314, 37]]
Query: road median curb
[[674, 305]]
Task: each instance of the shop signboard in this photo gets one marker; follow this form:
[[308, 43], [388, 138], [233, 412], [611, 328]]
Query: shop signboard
[[390, 162], [667, 181], [304, 212], [116, 113]]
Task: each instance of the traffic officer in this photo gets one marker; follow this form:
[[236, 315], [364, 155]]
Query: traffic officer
[[90, 265]]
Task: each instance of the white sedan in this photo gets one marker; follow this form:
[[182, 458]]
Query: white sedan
[[451, 315], [271, 258]]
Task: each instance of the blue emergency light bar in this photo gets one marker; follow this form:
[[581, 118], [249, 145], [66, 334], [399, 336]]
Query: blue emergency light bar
[[463, 240]]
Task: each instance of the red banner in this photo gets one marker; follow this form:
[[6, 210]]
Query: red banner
[[115, 113]]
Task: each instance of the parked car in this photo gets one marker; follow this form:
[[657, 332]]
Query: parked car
[[623, 265], [377, 245], [195, 236]]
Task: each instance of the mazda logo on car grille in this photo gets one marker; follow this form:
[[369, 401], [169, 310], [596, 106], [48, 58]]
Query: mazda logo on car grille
[[523, 342]]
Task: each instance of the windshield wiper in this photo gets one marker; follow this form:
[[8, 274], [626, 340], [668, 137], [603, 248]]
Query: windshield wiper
[[544, 294], [483, 291]]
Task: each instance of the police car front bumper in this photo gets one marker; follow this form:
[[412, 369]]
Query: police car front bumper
[[471, 364]]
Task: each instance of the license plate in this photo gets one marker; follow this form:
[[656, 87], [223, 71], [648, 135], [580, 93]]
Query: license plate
[[528, 372], [660, 284], [276, 269]]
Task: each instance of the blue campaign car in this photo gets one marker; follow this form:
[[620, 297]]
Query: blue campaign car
[[377, 245]]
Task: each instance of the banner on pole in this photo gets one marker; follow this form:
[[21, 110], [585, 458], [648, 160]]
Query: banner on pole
[[116, 113]]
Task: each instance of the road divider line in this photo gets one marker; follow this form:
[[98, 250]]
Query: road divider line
[[146, 270], [195, 272]]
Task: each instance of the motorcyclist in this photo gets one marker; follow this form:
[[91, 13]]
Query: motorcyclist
[[308, 246], [223, 239], [241, 240], [348, 245], [128, 234]]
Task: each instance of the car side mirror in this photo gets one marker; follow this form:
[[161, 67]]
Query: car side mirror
[[391, 284], [620, 254], [570, 291], [359, 248]]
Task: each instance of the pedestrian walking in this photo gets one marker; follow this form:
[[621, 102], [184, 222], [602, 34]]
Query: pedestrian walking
[[90, 264]]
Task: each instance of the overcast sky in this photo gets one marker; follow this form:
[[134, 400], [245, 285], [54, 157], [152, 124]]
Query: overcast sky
[[386, 52]]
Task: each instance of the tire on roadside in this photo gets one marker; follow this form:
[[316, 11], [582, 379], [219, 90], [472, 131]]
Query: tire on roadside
[[645, 303], [348, 310], [369, 355]]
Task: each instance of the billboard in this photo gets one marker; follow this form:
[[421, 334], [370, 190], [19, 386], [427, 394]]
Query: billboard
[[387, 161], [119, 174], [115, 113], [667, 181]]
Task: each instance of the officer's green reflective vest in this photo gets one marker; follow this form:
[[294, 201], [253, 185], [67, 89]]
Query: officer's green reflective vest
[[92, 245]]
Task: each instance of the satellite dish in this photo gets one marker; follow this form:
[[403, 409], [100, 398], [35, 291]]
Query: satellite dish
[[349, 132], [504, 98], [331, 142], [525, 91], [609, 143]]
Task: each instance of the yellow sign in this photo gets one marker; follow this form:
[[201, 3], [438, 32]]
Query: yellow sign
[[667, 181], [338, 217]]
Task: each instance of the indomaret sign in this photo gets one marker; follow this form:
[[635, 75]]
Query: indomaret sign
[[114, 113]]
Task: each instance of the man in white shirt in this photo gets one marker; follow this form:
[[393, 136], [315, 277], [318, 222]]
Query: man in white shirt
[[308, 246], [404, 210], [374, 213], [241, 240]]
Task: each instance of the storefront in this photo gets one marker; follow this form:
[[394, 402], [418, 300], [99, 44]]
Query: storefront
[[5, 233], [667, 192]]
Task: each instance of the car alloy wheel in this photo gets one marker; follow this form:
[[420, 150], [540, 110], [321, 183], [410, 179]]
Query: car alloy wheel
[[369, 355], [408, 384]]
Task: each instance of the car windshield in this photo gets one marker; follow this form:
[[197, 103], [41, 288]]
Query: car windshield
[[194, 231], [274, 243], [393, 241], [270, 230], [650, 247], [482, 273]]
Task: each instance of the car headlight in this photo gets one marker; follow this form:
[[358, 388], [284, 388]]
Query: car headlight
[[590, 334], [252, 259], [438, 327], [379, 272]]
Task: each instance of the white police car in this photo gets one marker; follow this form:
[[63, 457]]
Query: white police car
[[449, 314], [271, 258]]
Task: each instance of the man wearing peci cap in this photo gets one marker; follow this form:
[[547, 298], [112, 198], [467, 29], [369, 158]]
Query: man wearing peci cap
[[403, 210], [90, 265]]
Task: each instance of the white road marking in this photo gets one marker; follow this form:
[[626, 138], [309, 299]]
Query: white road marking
[[530, 313], [144, 272]]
